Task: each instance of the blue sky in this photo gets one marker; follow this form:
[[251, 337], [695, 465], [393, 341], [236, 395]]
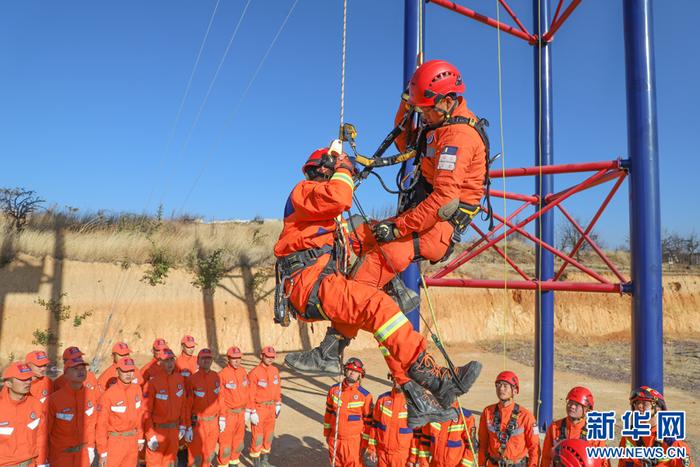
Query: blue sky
[[91, 91]]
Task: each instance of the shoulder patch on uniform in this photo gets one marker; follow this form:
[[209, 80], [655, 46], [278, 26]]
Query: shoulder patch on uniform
[[447, 160], [288, 207], [466, 412], [335, 385], [364, 391], [430, 138], [449, 150], [386, 394]]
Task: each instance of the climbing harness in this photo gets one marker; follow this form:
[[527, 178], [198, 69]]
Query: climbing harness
[[563, 431], [504, 436]]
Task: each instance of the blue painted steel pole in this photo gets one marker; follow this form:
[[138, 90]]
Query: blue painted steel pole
[[544, 268], [645, 220], [411, 50]]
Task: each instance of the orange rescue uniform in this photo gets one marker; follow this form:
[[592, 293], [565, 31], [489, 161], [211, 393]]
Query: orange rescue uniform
[[354, 423], [119, 424], [523, 442], [572, 430], [90, 382], [390, 436], [41, 388], [109, 377], [233, 400], [447, 444], [203, 391], [650, 441], [22, 430], [71, 421], [167, 408], [149, 370], [265, 393], [186, 365]]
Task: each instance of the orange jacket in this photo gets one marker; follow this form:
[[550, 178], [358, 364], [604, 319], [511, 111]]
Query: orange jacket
[[573, 431], [22, 429], [120, 409], [354, 416], [41, 388], [166, 402], [447, 444], [234, 388], [109, 377], [524, 440], [454, 165], [265, 385], [203, 392], [311, 219], [650, 441], [90, 382], [149, 370], [389, 432], [186, 365], [71, 419]]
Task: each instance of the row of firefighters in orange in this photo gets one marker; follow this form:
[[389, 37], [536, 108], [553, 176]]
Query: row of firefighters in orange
[[507, 434], [165, 406]]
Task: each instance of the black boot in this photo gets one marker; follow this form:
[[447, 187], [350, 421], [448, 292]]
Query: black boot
[[265, 461], [406, 298], [423, 408], [322, 359], [439, 381]]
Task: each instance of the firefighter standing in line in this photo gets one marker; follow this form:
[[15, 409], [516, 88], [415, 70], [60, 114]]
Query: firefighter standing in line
[[72, 419], [186, 362], [390, 437], [42, 385], [233, 399], [109, 376], [265, 403], [119, 432], [349, 410], [207, 416], [68, 354], [22, 420], [151, 368], [646, 399], [167, 417], [579, 401], [507, 431]]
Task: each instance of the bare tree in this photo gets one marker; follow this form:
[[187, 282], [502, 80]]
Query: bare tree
[[17, 204], [569, 237]]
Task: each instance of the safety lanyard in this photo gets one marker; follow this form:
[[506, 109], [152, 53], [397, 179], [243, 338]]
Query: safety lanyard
[[504, 436]]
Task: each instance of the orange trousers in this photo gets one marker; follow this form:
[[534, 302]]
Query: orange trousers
[[60, 458], [166, 454], [122, 451], [231, 439], [202, 450], [392, 459], [347, 453], [263, 432]]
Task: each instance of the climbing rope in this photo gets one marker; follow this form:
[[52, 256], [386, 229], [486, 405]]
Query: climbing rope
[[541, 200]]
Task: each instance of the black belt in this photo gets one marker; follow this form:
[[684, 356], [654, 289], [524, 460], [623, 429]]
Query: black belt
[[295, 262], [506, 462]]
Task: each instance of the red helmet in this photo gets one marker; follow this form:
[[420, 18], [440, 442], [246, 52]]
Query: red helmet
[[510, 378], [645, 393], [315, 159], [355, 364], [432, 81], [581, 395], [572, 453]]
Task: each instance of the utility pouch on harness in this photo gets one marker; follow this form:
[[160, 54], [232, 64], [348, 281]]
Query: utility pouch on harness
[[460, 220]]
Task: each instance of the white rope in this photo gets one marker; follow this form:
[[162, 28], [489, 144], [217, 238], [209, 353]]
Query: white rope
[[342, 66]]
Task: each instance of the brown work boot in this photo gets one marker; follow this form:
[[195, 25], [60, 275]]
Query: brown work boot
[[322, 359], [407, 299], [439, 380], [423, 408]]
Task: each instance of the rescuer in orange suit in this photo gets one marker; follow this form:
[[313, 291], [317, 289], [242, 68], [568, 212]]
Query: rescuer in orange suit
[[233, 399], [186, 362], [647, 399], [507, 431], [22, 420], [579, 401], [447, 444], [349, 411], [72, 419], [119, 432], [312, 259], [151, 368], [42, 385], [68, 354], [390, 437], [109, 376], [265, 403], [203, 392], [167, 416], [449, 187]]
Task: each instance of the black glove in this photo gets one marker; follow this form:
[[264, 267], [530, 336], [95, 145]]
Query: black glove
[[385, 231]]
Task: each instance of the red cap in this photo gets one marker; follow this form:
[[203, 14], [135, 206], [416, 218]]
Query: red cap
[[121, 349], [160, 344], [188, 341], [269, 351], [72, 352], [234, 352], [165, 354], [206, 353], [18, 370], [126, 364], [37, 357], [73, 362]]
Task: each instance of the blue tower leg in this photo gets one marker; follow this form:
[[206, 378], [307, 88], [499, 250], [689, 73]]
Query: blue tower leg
[[645, 221], [411, 50], [544, 155]]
